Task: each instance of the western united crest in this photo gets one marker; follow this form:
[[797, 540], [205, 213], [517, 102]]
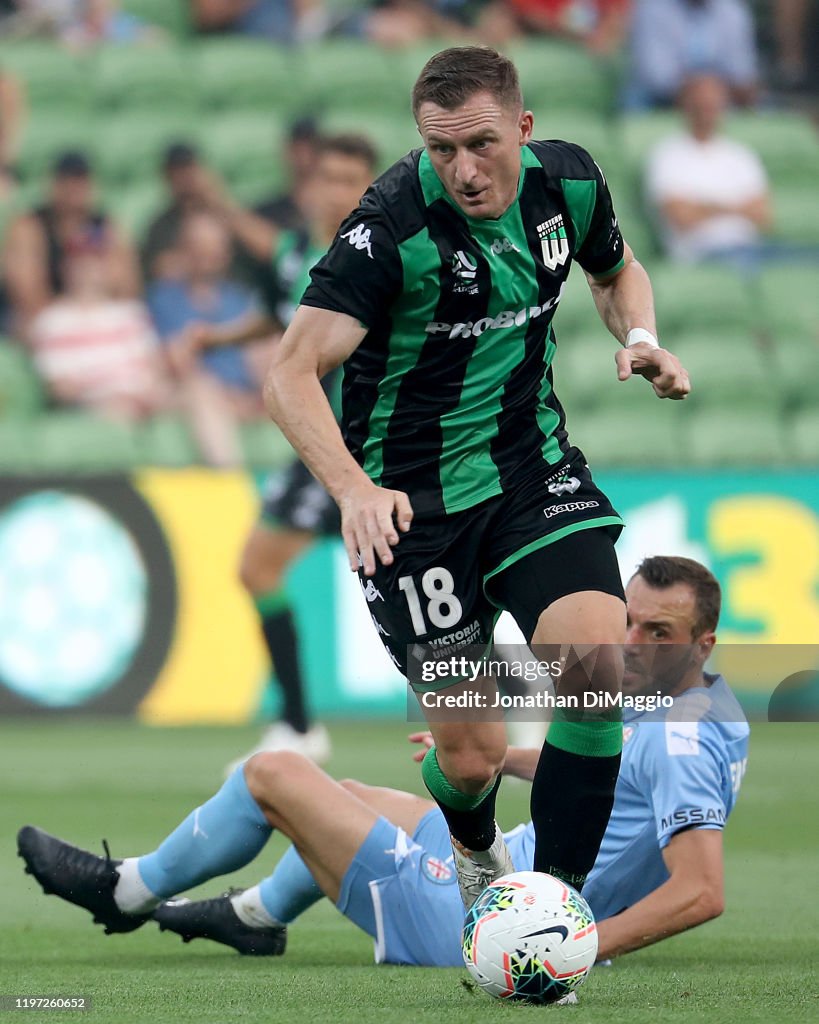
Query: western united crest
[[554, 243]]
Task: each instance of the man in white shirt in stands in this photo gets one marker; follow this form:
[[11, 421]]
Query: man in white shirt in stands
[[708, 192]]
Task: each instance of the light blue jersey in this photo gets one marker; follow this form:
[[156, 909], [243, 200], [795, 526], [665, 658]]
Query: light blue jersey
[[681, 769]]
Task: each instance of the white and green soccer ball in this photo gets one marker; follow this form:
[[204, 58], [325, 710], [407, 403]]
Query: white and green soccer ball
[[529, 936]]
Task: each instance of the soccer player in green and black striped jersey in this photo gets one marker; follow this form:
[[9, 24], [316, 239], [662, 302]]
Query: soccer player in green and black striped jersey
[[295, 509], [459, 491]]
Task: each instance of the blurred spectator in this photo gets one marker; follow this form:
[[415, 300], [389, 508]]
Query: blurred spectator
[[791, 23], [37, 242], [12, 115], [95, 350], [181, 170], [225, 385], [287, 208], [396, 23], [709, 192], [600, 25], [101, 21], [673, 39], [281, 21]]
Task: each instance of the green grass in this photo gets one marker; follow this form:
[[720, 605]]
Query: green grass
[[132, 784]]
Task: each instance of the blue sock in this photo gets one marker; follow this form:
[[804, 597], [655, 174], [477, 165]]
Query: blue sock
[[290, 890], [221, 836]]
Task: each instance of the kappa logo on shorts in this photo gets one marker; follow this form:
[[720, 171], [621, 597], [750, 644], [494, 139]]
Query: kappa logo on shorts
[[371, 592], [359, 238], [379, 628], [570, 506], [436, 870]]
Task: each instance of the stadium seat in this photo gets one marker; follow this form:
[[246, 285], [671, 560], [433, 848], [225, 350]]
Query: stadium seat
[[392, 136], [170, 15], [54, 79], [47, 135], [796, 214], [246, 147], [803, 436], [688, 298], [787, 142], [561, 76], [135, 207], [154, 78], [727, 436], [16, 455], [797, 368], [129, 145], [79, 442], [264, 446], [21, 394], [344, 73], [646, 438], [166, 441], [576, 311], [787, 301], [727, 370], [248, 74]]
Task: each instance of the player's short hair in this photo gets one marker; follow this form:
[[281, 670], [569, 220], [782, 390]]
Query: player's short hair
[[349, 144], [661, 571], [450, 77]]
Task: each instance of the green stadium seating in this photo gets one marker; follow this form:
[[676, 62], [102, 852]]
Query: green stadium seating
[[20, 392], [727, 369], [16, 454], [576, 311], [728, 436], [803, 436], [129, 145], [149, 78], [243, 73], [555, 76], [166, 441], [170, 15], [55, 80], [797, 368], [264, 446], [345, 74], [796, 214], [688, 298], [79, 442], [246, 147], [46, 136], [135, 207], [786, 298], [392, 136], [787, 142], [645, 438]]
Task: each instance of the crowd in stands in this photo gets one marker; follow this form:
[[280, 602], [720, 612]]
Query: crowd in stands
[[108, 318]]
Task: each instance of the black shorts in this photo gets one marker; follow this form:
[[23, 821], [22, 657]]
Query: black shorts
[[453, 575], [295, 500]]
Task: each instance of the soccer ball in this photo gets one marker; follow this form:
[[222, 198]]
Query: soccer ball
[[529, 936]]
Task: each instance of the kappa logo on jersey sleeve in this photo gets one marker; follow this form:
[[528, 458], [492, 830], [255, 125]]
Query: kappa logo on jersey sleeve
[[359, 238]]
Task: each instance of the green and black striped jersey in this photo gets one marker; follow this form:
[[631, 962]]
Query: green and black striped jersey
[[449, 397]]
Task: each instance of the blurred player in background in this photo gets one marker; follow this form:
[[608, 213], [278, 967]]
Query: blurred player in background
[[296, 508], [384, 858]]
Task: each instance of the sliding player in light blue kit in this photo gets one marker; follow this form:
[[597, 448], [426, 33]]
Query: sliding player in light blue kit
[[384, 856]]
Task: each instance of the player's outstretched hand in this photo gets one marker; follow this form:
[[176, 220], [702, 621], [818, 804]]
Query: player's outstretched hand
[[426, 741], [661, 368], [369, 517]]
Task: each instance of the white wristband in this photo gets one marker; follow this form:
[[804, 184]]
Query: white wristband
[[638, 334]]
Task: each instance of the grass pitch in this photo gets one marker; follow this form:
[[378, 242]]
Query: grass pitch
[[132, 784]]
